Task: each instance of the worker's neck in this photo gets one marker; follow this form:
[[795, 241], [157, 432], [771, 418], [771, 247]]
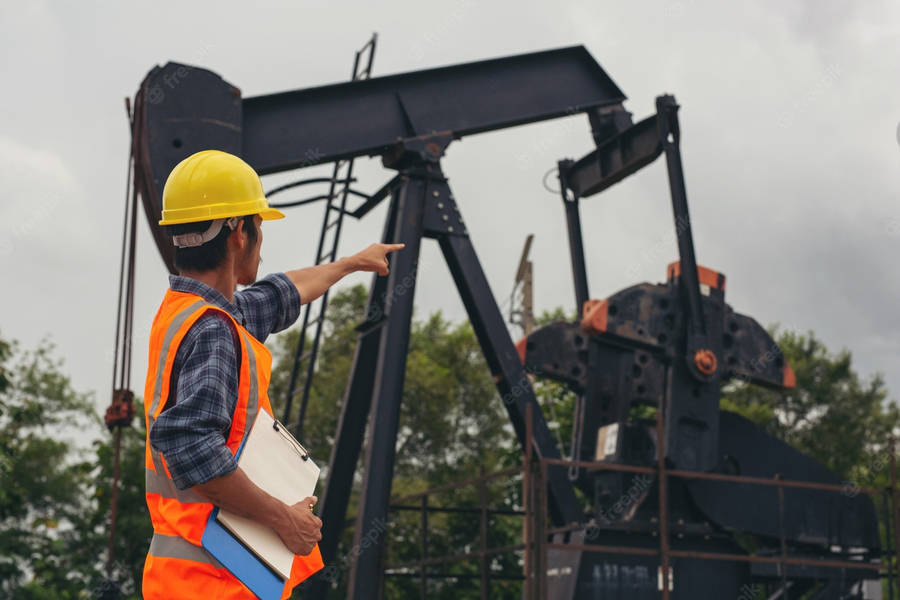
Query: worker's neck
[[222, 279]]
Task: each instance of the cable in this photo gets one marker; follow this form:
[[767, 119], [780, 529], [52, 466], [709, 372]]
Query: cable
[[128, 176], [544, 181]]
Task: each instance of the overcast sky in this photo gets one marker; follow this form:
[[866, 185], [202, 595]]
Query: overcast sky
[[790, 145]]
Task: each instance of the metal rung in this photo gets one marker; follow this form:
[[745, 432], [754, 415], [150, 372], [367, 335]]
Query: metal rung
[[332, 224], [328, 254]]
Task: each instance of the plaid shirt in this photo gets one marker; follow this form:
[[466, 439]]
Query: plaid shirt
[[192, 428]]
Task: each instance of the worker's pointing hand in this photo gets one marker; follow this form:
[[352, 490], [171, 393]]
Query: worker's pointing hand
[[300, 528], [374, 258]]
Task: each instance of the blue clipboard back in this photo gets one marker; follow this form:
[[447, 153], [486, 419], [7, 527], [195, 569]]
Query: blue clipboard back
[[240, 561]]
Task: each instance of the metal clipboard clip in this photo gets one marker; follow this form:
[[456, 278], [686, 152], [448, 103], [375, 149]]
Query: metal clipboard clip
[[298, 447]]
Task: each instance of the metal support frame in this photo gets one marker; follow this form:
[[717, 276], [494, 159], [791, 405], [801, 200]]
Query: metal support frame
[[422, 205], [536, 535], [300, 128], [387, 386]]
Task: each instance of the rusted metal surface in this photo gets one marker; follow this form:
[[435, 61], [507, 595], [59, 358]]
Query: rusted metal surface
[[536, 533], [605, 549], [796, 561], [454, 486], [423, 586], [663, 501], [449, 558], [601, 465], [485, 566], [782, 566], [895, 498], [808, 485], [541, 533], [527, 501], [886, 511]]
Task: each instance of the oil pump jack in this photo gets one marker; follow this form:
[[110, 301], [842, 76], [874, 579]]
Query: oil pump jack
[[669, 345]]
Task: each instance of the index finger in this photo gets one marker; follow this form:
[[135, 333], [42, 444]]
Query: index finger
[[392, 247]]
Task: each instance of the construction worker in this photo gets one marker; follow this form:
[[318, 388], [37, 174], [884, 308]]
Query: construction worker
[[209, 371]]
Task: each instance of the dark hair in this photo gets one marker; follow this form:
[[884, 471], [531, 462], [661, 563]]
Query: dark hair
[[210, 255]]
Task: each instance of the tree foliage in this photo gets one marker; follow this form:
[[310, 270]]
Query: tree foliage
[[43, 476], [55, 495], [452, 424], [832, 414], [54, 490]]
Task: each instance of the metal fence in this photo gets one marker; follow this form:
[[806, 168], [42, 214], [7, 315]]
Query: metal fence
[[537, 534]]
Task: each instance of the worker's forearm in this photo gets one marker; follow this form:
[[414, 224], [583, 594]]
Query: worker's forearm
[[236, 493], [312, 282]]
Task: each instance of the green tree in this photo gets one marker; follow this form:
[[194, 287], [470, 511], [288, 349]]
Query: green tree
[[452, 424], [43, 477], [54, 494], [133, 526], [831, 414]]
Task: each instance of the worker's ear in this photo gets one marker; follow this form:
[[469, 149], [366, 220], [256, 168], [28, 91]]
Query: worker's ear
[[239, 236]]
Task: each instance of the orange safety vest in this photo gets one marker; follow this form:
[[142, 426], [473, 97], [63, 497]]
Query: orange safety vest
[[177, 565]]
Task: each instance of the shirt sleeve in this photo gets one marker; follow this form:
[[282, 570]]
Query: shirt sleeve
[[191, 431], [269, 305]]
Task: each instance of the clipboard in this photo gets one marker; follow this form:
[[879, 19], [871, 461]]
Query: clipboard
[[280, 465]]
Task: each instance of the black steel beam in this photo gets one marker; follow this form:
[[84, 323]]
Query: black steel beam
[[354, 415], [359, 118], [182, 109], [390, 371], [576, 243], [670, 135], [615, 158], [503, 360]]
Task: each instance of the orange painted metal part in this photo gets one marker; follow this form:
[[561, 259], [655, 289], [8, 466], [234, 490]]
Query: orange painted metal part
[[594, 316], [789, 379], [706, 361], [707, 276], [521, 347]]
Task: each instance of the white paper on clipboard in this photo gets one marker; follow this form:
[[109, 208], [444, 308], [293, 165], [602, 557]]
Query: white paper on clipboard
[[273, 460]]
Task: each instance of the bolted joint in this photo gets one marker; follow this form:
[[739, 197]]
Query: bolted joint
[[416, 150]]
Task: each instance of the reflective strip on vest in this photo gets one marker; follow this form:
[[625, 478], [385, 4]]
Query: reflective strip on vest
[[174, 326], [157, 482], [253, 396], [165, 487], [174, 546]]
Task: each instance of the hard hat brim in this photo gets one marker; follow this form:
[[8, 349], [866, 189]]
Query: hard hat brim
[[270, 214], [192, 216]]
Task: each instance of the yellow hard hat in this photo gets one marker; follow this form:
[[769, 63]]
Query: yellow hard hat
[[213, 185]]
